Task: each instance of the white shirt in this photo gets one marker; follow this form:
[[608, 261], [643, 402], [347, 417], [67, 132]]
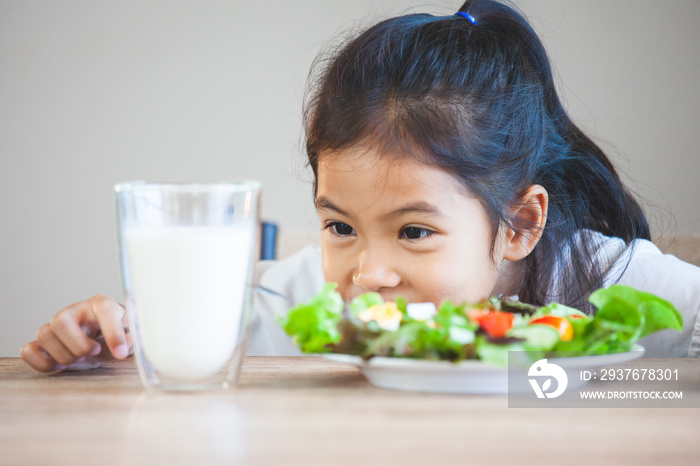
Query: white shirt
[[640, 265]]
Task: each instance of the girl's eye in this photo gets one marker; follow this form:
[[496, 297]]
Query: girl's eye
[[414, 233], [341, 229]]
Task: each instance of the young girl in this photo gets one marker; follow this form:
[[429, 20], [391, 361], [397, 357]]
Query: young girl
[[445, 168]]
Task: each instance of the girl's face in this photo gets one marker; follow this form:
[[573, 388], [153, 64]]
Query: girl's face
[[402, 228]]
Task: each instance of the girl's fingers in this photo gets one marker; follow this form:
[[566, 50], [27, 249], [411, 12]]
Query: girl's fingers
[[75, 325], [48, 340], [34, 355], [109, 315], [67, 339], [70, 325]]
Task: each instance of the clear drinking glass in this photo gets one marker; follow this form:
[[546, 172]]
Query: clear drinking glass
[[187, 255]]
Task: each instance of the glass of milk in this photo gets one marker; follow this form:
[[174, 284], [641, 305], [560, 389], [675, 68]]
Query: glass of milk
[[187, 255]]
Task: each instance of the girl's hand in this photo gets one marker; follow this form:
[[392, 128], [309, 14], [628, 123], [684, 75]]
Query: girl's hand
[[82, 336]]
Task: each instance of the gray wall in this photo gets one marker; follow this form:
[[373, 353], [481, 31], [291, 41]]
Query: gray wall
[[95, 92]]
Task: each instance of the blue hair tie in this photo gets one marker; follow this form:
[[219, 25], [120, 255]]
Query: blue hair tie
[[466, 15]]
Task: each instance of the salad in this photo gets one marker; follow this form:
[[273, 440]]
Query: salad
[[368, 326]]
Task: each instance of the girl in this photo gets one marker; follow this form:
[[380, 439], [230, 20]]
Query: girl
[[445, 168]]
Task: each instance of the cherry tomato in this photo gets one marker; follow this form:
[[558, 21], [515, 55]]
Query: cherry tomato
[[495, 323], [560, 324]]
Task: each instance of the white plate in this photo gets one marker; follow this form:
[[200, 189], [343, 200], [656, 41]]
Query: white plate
[[473, 377]]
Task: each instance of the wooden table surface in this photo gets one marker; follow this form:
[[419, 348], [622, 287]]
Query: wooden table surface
[[310, 411]]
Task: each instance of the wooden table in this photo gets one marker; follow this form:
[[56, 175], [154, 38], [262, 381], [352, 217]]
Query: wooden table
[[310, 411]]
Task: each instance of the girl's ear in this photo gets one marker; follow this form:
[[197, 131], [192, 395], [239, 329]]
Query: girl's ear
[[529, 218]]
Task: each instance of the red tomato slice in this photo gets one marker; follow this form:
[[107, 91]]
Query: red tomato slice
[[495, 323], [560, 324]]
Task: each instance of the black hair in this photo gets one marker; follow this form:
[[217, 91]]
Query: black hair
[[478, 100]]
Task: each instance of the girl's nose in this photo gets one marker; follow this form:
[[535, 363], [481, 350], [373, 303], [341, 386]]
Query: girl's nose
[[375, 272]]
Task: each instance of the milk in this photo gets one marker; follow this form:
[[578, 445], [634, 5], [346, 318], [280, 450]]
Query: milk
[[188, 288]]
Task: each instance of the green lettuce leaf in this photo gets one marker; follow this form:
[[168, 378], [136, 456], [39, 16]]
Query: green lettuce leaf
[[314, 325], [644, 310], [624, 316]]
